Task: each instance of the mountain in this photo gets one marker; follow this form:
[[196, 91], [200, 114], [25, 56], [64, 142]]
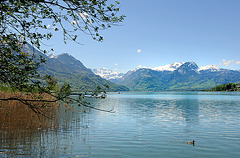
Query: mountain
[[168, 67], [178, 76], [176, 65], [52, 55], [107, 73], [71, 62], [188, 68], [209, 68], [66, 69]]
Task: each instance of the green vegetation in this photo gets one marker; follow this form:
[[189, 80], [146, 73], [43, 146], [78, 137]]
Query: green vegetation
[[226, 87], [82, 83], [67, 69], [150, 80], [26, 21]]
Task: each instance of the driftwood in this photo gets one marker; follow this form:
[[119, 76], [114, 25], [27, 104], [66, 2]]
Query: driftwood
[[91, 95]]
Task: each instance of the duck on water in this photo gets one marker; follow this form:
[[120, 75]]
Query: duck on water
[[191, 142]]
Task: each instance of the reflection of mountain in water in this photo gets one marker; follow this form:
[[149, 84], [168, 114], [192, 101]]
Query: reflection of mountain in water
[[144, 125], [190, 111], [158, 108]]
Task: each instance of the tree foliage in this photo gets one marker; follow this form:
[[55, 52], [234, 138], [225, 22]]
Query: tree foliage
[[33, 21], [226, 87], [29, 21]]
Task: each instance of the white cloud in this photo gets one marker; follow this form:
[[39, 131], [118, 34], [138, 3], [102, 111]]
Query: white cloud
[[237, 62], [116, 64], [227, 62], [139, 50], [139, 66]]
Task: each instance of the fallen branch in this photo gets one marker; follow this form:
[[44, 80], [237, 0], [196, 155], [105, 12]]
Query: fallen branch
[[111, 111], [30, 100]]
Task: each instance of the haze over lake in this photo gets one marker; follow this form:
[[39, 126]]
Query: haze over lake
[[153, 124]]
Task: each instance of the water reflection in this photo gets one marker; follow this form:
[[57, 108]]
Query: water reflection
[[177, 109], [144, 125], [190, 111], [73, 128]]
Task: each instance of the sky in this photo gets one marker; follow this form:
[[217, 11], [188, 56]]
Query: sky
[[160, 32]]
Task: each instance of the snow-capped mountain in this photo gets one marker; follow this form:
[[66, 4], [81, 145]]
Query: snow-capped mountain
[[107, 73], [52, 55], [168, 67], [188, 67], [178, 76], [181, 67], [209, 67], [176, 65], [57, 56]]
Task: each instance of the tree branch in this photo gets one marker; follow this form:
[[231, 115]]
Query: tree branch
[[30, 100]]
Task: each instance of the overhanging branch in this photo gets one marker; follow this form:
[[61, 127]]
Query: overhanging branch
[[30, 100]]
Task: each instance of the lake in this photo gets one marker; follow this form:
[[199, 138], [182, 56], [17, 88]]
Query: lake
[[151, 124]]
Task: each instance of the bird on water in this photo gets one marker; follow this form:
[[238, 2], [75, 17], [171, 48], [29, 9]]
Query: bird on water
[[191, 142]]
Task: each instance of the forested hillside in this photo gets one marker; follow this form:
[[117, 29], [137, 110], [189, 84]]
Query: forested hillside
[[66, 69]]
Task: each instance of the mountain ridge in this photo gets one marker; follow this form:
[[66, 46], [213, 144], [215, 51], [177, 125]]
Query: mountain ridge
[[114, 75], [67, 69], [187, 76], [177, 76]]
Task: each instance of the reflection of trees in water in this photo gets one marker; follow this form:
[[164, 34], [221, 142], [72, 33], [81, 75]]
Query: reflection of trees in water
[[73, 127]]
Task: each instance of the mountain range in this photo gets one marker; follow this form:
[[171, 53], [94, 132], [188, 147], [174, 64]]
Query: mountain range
[[107, 73], [177, 76], [66, 69]]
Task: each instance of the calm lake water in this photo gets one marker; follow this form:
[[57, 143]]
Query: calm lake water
[[143, 125]]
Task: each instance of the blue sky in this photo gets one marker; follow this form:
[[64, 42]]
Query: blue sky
[[160, 32]]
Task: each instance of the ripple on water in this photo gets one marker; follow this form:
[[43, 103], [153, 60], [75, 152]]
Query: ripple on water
[[144, 125]]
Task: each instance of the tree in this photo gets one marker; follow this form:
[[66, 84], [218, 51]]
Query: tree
[[225, 87], [25, 21]]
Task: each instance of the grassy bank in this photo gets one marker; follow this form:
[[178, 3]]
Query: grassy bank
[[17, 115]]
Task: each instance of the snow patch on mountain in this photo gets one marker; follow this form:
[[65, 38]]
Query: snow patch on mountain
[[176, 65], [56, 56], [107, 73], [209, 67], [168, 67], [52, 55]]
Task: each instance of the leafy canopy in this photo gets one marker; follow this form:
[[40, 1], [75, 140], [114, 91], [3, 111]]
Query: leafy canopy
[[33, 21], [31, 18], [24, 21]]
